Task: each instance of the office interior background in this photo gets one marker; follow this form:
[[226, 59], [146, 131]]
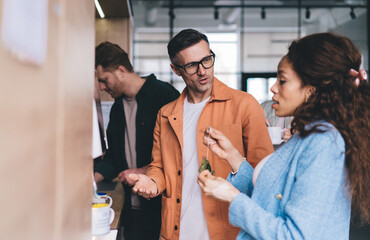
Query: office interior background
[[46, 95], [248, 37]]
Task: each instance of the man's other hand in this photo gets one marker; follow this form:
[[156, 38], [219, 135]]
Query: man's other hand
[[144, 186]]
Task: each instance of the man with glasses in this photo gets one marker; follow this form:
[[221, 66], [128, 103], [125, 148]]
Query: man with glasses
[[178, 148]]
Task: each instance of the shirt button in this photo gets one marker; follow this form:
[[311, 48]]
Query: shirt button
[[179, 173], [178, 200], [279, 196], [175, 227]]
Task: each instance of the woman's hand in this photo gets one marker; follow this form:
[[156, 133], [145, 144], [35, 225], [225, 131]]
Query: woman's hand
[[217, 187], [222, 147]]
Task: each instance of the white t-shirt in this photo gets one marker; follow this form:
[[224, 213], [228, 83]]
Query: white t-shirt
[[193, 224], [130, 108]]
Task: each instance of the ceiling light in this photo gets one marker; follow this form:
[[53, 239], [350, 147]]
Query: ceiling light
[[308, 13], [232, 16], [151, 16], [100, 10], [263, 13], [216, 13], [352, 13]]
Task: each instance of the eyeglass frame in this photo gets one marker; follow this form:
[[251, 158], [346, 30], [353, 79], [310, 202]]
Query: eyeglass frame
[[213, 55]]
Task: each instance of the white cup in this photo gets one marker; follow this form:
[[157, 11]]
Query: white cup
[[101, 218], [103, 199], [276, 135]]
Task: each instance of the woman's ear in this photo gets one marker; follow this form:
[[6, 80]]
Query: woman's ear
[[310, 91]]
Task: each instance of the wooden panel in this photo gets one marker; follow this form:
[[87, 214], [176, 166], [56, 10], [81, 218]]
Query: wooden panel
[[76, 84], [45, 131]]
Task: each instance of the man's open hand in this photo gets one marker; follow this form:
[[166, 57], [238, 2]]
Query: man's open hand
[[144, 186]]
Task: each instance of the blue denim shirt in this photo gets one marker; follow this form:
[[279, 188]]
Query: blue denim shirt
[[300, 192]]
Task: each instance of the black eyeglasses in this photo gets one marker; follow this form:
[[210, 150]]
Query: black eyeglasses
[[193, 67]]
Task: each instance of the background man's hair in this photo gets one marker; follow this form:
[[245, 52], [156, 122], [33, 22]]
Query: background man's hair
[[110, 56]]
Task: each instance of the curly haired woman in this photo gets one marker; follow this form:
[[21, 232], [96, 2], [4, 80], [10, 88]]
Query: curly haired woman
[[304, 190]]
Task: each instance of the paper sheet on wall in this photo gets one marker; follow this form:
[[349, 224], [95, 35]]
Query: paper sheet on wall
[[24, 29]]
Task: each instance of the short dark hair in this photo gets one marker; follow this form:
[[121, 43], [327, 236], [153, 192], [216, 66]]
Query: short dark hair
[[111, 56], [183, 40]]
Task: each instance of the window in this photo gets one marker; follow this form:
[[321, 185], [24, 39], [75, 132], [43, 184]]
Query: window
[[259, 84]]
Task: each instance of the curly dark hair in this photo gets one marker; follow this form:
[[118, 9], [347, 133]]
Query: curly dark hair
[[323, 60]]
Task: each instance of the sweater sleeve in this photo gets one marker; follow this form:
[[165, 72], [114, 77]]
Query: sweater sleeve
[[317, 195], [242, 180]]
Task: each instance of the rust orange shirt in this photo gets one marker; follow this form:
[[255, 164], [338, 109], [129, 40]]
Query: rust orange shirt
[[235, 113]]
